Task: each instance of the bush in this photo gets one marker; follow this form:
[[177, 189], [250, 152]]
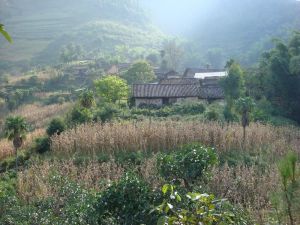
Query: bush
[[188, 108], [107, 112], [189, 163], [56, 126], [128, 201], [42, 145], [129, 158], [196, 208], [80, 115], [229, 115], [212, 115]]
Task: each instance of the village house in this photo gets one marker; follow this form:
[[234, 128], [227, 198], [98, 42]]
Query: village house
[[173, 89], [163, 94]]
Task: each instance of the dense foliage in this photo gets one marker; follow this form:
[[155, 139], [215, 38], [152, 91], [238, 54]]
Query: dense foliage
[[190, 163]]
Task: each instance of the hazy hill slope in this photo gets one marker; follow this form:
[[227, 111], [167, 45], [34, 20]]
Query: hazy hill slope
[[238, 28], [41, 28], [244, 28]]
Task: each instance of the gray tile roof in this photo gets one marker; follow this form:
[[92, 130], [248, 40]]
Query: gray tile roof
[[180, 81], [165, 90], [211, 93]]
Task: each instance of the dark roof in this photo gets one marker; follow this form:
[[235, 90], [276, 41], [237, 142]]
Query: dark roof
[[164, 91], [179, 81], [172, 73], [211, 93]]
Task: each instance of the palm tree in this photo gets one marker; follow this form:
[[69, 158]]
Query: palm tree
[[244, 106], [87, 99], [15, 130]]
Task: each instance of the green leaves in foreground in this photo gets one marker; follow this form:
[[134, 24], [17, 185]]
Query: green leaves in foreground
[[5, 34], [195, 208]]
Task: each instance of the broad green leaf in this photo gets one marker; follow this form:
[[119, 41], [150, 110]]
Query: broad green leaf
[[5, 34], [165, 188]]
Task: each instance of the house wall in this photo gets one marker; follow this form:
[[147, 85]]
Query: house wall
[[148, 101], [191, 99], [159, 101]]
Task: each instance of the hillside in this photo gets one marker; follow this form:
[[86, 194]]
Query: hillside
[[217, 30], [245, 28], [41, 29]]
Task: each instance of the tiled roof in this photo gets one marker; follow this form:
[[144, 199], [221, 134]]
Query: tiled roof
[[211, 93], [180, 81], [164, 91]]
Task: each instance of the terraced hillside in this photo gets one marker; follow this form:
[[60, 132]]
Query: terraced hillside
[[40, 29]]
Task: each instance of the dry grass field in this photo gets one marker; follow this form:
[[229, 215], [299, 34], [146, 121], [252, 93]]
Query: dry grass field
[[39, 116], [168, 135]]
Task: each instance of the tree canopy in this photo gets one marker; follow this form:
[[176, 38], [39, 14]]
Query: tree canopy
[[112, 89], [279, 76], [139, 72]]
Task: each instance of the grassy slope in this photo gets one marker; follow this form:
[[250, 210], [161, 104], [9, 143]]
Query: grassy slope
[[39, 31]]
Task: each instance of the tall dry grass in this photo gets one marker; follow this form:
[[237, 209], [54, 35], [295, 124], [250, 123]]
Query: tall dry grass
[[241, 185], [39, 116], [7, 148], [167, 135]]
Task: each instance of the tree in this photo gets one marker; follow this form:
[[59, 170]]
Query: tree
[[215, 57], [87, 99], [279, 75], [112, 89], [5, 34], [71, 52], [173, 54], [139, 72], [15, 130], [56, 126], [153, 58], [233, 86], [244, 106], [233, 83]]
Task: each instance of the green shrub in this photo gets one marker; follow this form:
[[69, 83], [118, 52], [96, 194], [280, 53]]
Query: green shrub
[[129, 158], [56, 126], [188, 108], [128, 201], [107, 112], [189, 163], [196, 208], [74, 205], [80, 115], [212, 115], [229, 115], [42, 145]]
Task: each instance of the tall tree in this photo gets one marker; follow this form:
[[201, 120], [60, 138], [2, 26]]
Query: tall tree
[[15, 130], [173, 54], [280, 72], [112, 89], [139, 72], [233, 85]]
